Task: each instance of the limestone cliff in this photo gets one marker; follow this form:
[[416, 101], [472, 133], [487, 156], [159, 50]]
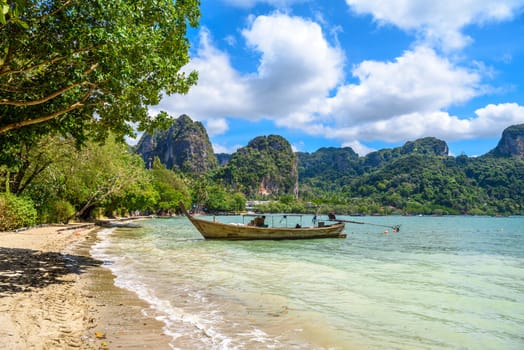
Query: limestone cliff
[[185, 146], [426, 146], [266, 166], [512, 142]]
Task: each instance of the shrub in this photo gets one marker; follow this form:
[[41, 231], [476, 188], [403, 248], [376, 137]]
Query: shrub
[[56, 211], [61, 211], [16, 212]]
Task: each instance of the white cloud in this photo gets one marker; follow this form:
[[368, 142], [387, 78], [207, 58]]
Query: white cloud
[[297, 84], [217, 148], [408, 126], [216, 126], [418, 81], [297, 69], [492, 119], [220, 89], [438, 22], [297, 63], [358, 147]]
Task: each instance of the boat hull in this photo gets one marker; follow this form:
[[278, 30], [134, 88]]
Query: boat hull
[[215, 230]]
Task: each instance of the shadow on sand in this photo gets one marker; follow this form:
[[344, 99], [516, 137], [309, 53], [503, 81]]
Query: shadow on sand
[[25, 269]]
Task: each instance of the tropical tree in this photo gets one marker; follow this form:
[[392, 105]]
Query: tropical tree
[[102, 175], [86, 68], [29, 159], [170, 186]]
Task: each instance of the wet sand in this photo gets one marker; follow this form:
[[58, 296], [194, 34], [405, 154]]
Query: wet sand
[[54, 295]]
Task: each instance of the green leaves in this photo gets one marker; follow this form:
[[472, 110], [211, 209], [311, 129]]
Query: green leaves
[[5, 8], [9, 11], [16, 212], [88, 67]]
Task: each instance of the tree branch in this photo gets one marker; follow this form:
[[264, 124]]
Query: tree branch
[[5, 101], [7, 71], [38, 120], [64, 5], [53, 95], [38, 170], [48, 117]]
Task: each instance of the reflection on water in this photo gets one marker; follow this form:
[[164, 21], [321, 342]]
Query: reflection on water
[[439, 283]]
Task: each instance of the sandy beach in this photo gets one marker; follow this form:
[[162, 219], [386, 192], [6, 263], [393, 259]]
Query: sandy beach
[[54, 295]]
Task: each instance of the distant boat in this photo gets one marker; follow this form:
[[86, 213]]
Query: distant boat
[[253, 231], [115, 223]]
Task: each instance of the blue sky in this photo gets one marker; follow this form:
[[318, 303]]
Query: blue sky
[[368, 74]]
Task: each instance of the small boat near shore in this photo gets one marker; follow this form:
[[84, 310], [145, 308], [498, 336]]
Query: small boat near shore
[[255, 230], [116, 224]]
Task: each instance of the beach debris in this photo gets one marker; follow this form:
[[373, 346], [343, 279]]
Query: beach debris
[[100, 335]]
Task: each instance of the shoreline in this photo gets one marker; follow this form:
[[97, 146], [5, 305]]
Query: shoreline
[[54, 295]]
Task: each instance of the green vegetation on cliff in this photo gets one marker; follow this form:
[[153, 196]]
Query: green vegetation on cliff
[[265, 167], [419, 178], [184, 147]]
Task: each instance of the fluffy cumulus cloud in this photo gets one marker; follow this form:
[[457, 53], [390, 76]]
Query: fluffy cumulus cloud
[[220, 91], [488, 122], [497, 117], [437, 22], [216, 126], [408, 126], [418, 81], [297, 70], [297, 64], [358, 147], [218, 148]]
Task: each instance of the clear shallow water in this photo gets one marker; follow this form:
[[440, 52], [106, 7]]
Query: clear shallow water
[[439, 283]]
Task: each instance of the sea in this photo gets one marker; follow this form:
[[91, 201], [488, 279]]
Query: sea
[[450, 282]]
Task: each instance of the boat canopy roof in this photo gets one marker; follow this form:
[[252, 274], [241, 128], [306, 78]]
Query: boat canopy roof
[[273, 215]]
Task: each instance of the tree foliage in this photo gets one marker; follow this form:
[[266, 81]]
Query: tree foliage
[[85, 68], [170, 186], [209, 195], [26, 160], [16, 212], [108, 178], [102, 175], [416, 183]]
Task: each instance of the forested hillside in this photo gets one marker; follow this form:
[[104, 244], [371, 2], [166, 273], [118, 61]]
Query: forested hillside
[[267, 166], [420, 177]]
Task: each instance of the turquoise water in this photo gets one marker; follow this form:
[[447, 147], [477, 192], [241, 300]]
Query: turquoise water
[[439, 283]]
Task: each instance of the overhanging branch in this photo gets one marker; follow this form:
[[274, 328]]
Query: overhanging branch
[[41, 100], [42, 119], [38, 120], [47, 98]]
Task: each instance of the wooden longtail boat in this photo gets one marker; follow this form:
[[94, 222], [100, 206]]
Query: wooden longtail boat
[[217, 230]]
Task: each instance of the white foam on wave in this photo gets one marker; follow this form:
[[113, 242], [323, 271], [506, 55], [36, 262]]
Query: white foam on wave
[[173, 316], [198, 328]]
